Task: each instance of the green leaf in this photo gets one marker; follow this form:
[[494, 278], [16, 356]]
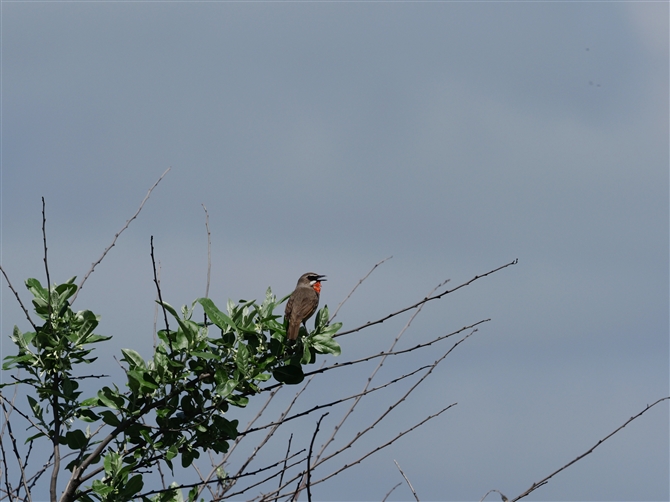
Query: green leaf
[[133, 358], [36, 289], [110, 418], [110, 398], [216, 316], [76, 440], [290, 375], [321, 318], [101, 489], [226, 388], [325, 345], [134, 485]]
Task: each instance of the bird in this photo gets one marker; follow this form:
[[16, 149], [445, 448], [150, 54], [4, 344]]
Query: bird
[[302, 303]]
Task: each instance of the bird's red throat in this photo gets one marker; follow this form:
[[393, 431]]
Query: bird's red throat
[[317, 287]]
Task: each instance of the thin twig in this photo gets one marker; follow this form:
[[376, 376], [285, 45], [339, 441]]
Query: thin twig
[[338, 427], [545, 480], [44, 239], [267, 496], [317, 407], [116, 236], [431, 368], [288, 450], [273, 428], [502, 496], [309, 458], [209, 253], [425, 300], [356, 287], [160, 296], [17, 455], [416, 497], [25, 311], [381, 354], [390, 492]]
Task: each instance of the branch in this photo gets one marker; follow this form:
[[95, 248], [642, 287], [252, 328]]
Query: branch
[[209, 254], [309, 459], [338, 427], [502, 496], [381, 354], [426, 300], [371, 452], [160, 296], [394, 405], [288, 450], [25, 311], [407, 480], [283, 420], [16, 454], [356, 287], [390, 492], [44, 239], [545, 480], [274, 427], [116, 236]]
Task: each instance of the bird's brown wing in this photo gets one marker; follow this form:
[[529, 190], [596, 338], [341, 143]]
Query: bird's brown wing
[[300, 307]]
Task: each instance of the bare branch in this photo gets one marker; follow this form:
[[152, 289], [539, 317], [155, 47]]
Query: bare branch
[[209, 253], [273, 428], [16, 454], [309, 459], [371, 377], [116, 236], [426, 300], [44, 239], [545, 480], [371, 452], [25, 311], [390, 492], [502, 496], [416, 497], [382, 354], [288, 450], [356, 287], [283, 420], [158, 289], [402, 398]]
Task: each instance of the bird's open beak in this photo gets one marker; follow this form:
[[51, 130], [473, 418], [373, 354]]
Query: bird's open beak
[[321, 278]]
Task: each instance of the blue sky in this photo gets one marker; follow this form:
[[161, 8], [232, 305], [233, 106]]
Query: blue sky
[[327, 136]]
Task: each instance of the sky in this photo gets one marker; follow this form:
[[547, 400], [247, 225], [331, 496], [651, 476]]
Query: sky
[[327, 136]]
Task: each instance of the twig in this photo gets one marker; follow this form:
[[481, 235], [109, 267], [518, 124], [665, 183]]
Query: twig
[[356, 287], [381, 354], [25, 311], [309, 458], [17, 455], [338, 427], [288, 450], [371, 452], [246, 474], [116, 236], [273, 428], [407, 480], [44, 239], [502, 496], [397, 403], [155, 330], [390, 492], [545, 480], [425, 300], [209, 253], [160, 296]]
